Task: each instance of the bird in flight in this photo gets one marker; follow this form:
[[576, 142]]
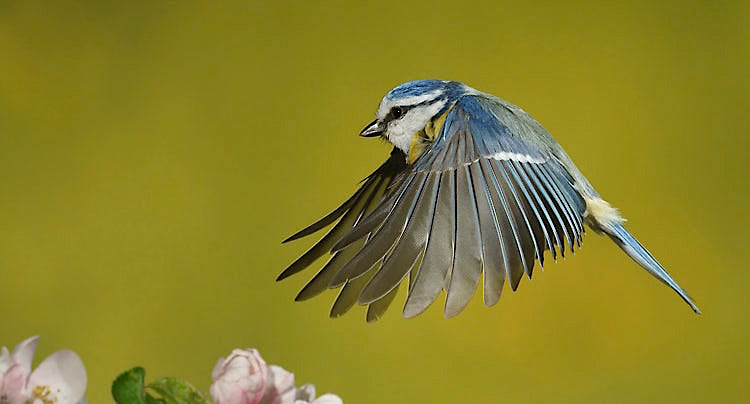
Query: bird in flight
[[475, 190]]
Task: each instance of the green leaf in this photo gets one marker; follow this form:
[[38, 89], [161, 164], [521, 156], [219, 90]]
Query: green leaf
[[154, 400], [176, 391], [128, 388]]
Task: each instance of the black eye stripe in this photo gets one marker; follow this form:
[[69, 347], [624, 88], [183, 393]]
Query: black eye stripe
[[399, 111]]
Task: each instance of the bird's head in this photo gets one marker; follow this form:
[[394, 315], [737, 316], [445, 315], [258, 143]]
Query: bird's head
[[408, 108]]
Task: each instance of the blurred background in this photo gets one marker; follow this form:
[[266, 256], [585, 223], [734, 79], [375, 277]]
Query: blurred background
[[154, 155]]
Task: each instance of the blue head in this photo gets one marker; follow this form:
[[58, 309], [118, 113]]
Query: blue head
[[406, 109]]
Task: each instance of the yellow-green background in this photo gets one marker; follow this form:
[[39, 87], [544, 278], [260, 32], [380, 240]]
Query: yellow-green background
[[153, 156]]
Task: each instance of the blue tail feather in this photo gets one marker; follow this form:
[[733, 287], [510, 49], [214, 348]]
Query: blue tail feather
[[637, 252]]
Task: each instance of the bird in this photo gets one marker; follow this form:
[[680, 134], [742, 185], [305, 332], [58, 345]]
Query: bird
[[474, 190]]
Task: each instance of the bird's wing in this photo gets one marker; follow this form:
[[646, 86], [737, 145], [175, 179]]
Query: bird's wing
[[483, 198], [346, 216]]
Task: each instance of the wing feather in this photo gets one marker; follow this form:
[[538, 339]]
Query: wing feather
[[392, 228], [494, 261], [577, 206], [511, 256], [353, 213], [531, 201], [408, 248], [331, 217], [376, 309], [534, 229], [375, 219], [322, 279], [467, 259], [539, 205], [564, 203], [438, 256], [348, 213], [523, 242], [348, 294], [554, 202]]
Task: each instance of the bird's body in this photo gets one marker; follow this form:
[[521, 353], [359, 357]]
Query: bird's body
[[474, 186]]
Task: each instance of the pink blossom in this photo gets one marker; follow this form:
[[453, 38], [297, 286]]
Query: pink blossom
[[245, 378], [60, 378], [241, 378]]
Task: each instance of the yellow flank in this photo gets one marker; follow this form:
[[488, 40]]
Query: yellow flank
[[426, 136], [418, 145], [434, 125], [601, 213]]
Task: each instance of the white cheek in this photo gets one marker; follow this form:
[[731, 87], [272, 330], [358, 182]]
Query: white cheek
[[400, 135], [401, 131]]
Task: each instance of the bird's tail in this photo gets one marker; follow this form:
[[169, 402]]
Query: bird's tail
[[637, 252]]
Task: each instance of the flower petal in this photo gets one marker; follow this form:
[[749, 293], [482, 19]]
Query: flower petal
[[13, 383], [328, 398], [242, 378], [61, 377], [23, 353], [305, 393], [5, 361], [282, 389], [217, 369]]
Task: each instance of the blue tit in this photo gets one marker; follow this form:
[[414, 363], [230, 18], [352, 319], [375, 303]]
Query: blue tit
[[474, 186]]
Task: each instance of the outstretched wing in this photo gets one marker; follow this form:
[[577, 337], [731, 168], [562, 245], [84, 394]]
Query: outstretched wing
[[480, 200], [346, 216]]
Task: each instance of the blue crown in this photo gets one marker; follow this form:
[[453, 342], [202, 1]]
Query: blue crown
[[450, 89]]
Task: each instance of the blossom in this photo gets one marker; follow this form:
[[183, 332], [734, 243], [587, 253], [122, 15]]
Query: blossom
[[245, 378], [59, 379]]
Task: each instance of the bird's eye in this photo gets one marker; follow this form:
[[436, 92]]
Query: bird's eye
[[397, 112]]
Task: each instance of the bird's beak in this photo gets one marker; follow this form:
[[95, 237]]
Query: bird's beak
[[372, 130]]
